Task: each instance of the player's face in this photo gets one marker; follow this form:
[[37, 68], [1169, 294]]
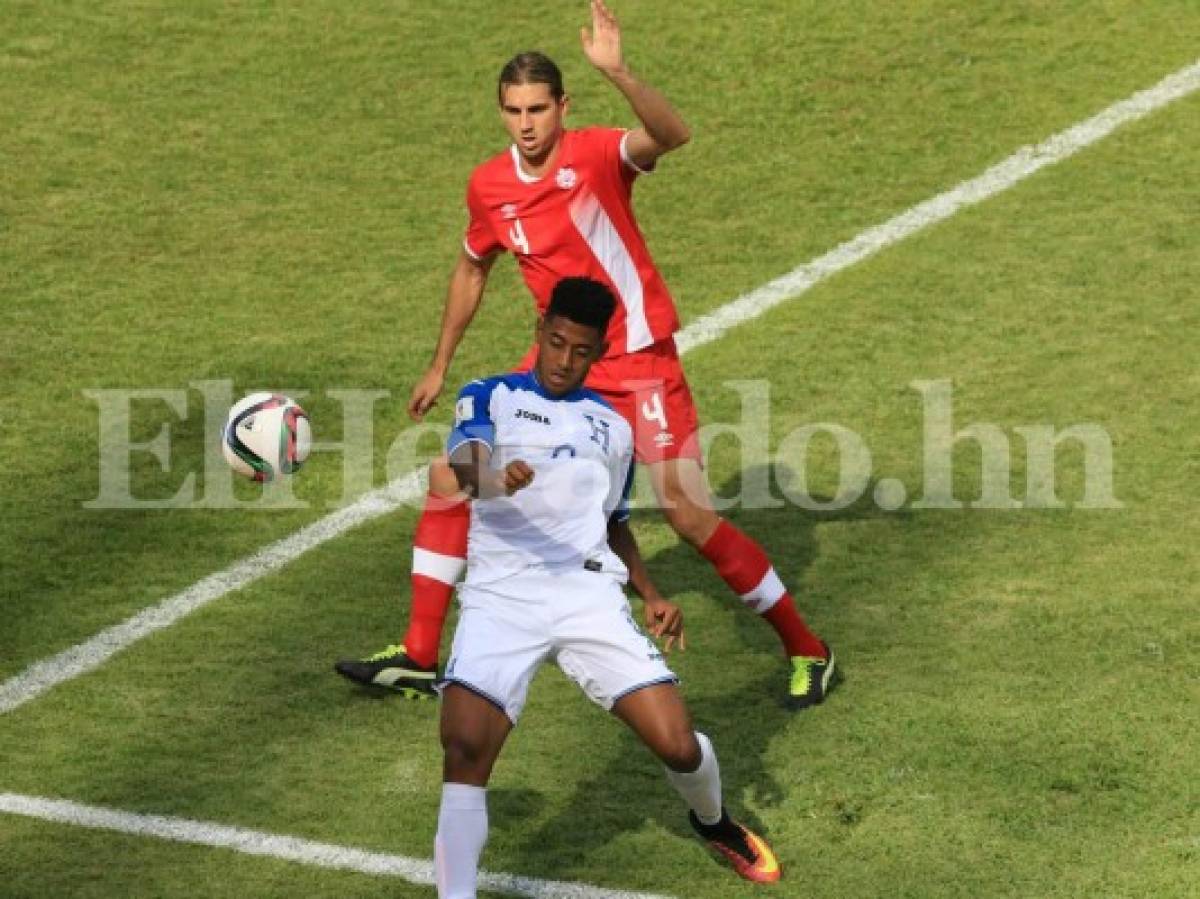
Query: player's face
[[566, 350], [533, 119]]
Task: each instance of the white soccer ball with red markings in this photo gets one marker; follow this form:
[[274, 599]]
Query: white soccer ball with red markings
[[266, 435]]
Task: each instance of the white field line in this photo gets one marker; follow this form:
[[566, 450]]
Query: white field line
[[86, 656], [292, 849], [94, 652], [1000, 177]]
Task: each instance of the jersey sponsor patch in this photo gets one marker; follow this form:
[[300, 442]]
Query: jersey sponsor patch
[[464, 409], [532, 416]]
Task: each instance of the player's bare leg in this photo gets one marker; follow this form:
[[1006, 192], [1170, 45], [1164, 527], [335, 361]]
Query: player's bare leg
[[442, 483], [660, 718], [473, 733], [684, 498], [439, 559]]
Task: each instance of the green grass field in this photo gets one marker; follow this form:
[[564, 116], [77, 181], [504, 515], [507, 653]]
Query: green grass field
[[272, 195]]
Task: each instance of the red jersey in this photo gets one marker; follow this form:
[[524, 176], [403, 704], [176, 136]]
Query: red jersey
[[576, 220]]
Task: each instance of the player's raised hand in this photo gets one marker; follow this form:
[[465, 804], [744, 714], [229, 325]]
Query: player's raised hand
[[517, 475], [664, 619], [602, 45], [424, 395]]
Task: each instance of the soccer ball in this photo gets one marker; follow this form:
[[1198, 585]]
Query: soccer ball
[[266, 435]]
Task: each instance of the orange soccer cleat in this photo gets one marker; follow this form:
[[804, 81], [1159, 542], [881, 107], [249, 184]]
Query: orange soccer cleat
[[745, 850]]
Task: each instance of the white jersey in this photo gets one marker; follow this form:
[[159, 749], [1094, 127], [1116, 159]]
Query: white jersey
[[581, 453]]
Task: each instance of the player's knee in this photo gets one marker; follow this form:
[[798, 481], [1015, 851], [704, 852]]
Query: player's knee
[[442, 480], [680, 751], [691, 521], [465, 758]]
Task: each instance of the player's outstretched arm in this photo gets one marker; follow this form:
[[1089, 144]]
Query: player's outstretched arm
[[463, 296], [664, 619], [663, 130], [472, 465]]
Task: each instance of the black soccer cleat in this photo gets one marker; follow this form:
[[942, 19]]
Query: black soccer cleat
[[392, 669]]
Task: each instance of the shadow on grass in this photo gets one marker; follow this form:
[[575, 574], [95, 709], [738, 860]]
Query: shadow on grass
[[742, 709]]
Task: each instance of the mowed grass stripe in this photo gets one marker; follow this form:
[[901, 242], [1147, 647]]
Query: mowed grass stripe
[[308, 852], [1000, 177], [87, 656]]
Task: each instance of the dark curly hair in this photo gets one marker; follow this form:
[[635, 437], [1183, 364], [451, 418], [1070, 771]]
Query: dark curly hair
[[583, 301]]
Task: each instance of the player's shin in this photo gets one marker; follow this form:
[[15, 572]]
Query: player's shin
[[461, 835], [701, 789], [439, 559], [744, 566]]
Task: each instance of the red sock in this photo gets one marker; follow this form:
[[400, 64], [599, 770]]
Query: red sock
[[744, 566], [439, 558]]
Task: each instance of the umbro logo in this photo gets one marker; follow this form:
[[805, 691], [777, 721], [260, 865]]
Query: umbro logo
[[532, 416]]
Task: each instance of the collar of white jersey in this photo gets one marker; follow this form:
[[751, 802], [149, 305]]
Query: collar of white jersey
[[574, 396]]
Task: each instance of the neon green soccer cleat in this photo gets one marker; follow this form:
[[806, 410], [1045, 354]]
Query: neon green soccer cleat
[[812, 679]]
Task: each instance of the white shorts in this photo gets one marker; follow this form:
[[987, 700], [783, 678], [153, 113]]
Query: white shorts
[[579, 619]]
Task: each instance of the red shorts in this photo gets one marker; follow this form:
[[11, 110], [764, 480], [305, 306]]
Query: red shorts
[[650, 392]]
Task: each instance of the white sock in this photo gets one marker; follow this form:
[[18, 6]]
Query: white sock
[[462, 831], [701, 789]]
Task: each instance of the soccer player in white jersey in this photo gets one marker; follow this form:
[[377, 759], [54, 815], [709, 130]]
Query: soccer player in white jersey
[[548, 463], [560, 201]]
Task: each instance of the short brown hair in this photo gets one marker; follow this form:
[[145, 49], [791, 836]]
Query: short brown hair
[[531, 67]]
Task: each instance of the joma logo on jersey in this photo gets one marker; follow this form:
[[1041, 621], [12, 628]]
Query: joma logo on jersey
[[532, 416]]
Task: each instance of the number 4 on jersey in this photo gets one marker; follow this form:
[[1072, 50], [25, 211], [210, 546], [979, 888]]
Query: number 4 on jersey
[[517, 235], [652, 410]]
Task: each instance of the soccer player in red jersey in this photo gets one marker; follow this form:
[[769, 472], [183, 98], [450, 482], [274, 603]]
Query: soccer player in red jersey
[[559, 200]]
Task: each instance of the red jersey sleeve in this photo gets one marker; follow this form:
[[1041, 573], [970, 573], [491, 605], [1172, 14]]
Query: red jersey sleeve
[[480, 240], [609, 143]]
